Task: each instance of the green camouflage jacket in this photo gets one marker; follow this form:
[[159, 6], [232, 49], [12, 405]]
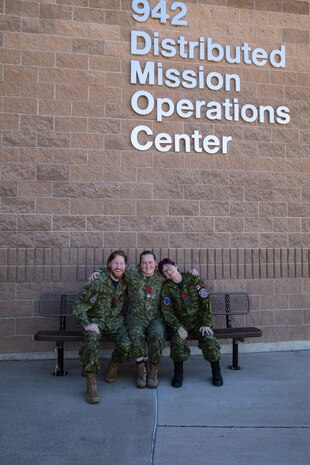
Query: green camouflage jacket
[[99, 301], [188, 306], [144, 294]]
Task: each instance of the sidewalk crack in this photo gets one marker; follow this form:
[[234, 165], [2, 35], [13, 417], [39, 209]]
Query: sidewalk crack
[[235, 426]]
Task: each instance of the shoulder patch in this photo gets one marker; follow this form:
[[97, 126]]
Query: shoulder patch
[[167, 301], [203, 293], [93, 299]]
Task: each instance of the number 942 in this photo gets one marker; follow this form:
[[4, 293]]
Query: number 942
[[143, 12]]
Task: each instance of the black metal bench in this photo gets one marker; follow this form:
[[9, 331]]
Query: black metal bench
[[226, 304], [53, 305], [229, 304]]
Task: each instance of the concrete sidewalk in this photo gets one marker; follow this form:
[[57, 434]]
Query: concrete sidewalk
[[261, 416]]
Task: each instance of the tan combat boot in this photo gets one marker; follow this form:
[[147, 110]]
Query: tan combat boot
[[112, 371], [141, 375], [152, 380], [92, 396]]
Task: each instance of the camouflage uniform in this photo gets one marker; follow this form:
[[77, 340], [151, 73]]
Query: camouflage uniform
[[188, 306], [101, 303], [145, 323]]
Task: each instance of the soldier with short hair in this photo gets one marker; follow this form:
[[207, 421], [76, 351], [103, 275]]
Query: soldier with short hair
[[186, 308], [99, 309], [145, 323]]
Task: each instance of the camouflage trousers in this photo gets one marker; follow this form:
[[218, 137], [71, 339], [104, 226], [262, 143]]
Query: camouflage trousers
[[90, 349], [180, 351], [146, 337]]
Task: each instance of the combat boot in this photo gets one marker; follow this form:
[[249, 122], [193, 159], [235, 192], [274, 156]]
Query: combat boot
[[141, 374], [152, 379], [217, 379], [92, 396], [177, 379], [112, 371]]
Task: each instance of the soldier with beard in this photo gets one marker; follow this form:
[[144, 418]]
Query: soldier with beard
[[99, 309]]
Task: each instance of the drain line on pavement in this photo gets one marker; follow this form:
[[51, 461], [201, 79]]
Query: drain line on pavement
[[154, 429]]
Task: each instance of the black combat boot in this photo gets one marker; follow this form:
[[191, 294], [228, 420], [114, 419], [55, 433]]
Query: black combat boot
[[217, 379], [177, 379]]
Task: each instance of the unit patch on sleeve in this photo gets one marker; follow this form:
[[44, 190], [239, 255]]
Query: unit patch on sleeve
[[203, 293], [93, 299], [167, 301]]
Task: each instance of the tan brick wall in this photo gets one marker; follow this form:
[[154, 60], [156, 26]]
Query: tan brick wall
[[71, 184]]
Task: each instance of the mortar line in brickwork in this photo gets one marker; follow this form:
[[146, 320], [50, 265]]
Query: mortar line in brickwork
[[214, 262], [44, 267], [60, 262], [293, 262], [237, 263], [192, 256], [7, 264], [77, 263], [287, 263], [305, 262], [244, 263], [219, 263], [281, 262]]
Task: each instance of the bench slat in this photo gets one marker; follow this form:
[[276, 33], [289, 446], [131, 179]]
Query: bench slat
[[242, 332], [58, 336], [220, 333]]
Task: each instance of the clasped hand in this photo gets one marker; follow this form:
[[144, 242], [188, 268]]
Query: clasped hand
[[92, 327], [182, 332]]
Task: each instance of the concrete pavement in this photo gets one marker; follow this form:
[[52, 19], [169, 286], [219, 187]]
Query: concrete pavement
[[261, 416]]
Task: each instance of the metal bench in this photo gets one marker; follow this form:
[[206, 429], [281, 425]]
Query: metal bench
[[230, 304], [227, 304], [52, 305]]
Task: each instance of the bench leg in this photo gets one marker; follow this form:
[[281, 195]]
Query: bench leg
[[235, 354], [59, 368]]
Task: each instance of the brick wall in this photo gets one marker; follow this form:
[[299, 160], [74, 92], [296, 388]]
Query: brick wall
[[277, 281], [72, 187]]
